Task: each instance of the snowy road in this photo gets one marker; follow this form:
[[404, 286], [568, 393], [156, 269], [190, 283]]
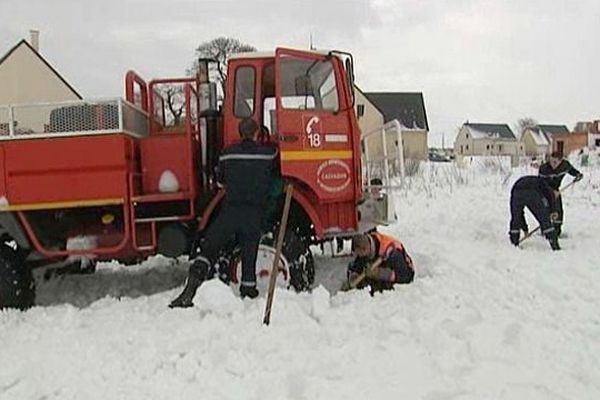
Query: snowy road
[[483, 320]]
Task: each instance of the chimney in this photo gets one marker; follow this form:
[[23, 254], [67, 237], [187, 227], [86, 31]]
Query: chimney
[[34, 40]]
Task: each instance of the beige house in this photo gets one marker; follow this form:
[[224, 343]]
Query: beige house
[[537, 141], [26, 78], [487, 140], [376, 109]]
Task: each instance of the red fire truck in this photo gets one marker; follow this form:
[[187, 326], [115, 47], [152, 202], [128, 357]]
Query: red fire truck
[[116, 179]]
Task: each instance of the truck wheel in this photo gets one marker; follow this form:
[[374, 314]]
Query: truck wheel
[[17, 288], [301, 262], [296, 265]]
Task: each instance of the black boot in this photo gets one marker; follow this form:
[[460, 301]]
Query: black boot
[[196, 276], [248, 291], [558, 229], [553, 239], [514, 238]]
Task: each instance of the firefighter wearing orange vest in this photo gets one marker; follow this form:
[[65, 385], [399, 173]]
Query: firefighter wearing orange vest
[[397, 266]]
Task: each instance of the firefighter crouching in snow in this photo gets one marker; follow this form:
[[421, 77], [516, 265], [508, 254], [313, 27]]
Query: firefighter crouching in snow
[[534, 193], [553, 171], [396, 265], [245, 170]]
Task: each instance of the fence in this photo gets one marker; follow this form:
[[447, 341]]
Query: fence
[[389, 163], [72, 118]]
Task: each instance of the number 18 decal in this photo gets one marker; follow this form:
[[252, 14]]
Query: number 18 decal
[[313, 132], [314, 139]]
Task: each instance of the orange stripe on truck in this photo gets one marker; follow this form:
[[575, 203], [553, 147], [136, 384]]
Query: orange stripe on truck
[[315, 155]]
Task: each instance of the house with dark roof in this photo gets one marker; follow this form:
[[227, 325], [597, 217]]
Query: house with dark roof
[[374, 109], [537, 140], [544, 139], [476, 139], [26, 77]]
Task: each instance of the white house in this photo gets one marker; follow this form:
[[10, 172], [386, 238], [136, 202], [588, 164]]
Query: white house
[[487, 140], [537, 141]]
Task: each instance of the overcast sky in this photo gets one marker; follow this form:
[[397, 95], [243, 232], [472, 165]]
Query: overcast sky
[[476, 60]]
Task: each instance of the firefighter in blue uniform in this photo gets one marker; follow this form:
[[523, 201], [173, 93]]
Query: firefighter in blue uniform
[[554, 170], [245, 171], [534, 193]]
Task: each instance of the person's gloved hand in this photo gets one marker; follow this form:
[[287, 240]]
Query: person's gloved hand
[[345, 286], [372, 273], [578, 178], [553, 216]]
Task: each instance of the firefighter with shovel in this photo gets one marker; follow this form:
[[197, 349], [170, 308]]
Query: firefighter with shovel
[[553, 171], [534, 193], [381, 261]]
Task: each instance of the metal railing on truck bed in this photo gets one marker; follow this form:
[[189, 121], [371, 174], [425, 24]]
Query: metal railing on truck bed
[[72, 118]]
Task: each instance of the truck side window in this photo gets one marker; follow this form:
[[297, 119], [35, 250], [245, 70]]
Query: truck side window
[[308, 84], [245, 78]]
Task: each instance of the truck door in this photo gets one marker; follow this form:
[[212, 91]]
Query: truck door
[[313, 124]]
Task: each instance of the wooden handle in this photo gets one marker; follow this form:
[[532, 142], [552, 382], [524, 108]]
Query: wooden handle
[[275, 267], [363, 275]]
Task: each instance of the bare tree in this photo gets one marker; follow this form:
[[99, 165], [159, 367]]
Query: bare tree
[[174, 103], [524, 123], [220, 49]]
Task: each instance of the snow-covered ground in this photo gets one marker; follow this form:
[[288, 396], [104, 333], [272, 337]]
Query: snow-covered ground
[[483, 320]]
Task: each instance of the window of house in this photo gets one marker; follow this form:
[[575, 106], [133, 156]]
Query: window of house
[[360, 110], [499, 147], [467, 147], [244, 92], [487, 146]]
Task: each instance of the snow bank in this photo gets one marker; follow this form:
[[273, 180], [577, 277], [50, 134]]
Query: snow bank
[[483, 320]]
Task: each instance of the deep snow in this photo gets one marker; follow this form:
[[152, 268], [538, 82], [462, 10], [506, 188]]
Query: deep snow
[[483, 320]]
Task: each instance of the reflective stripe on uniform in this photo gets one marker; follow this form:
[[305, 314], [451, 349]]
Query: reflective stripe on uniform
[[204, 260], [553, 175], [267, 157]]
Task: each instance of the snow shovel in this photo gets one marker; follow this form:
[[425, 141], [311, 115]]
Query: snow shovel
[[352, 284], [274, 268], [539, 226]]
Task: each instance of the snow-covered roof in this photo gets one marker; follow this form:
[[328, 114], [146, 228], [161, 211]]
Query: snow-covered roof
[[490, 131], [550, 130], [539, 137]]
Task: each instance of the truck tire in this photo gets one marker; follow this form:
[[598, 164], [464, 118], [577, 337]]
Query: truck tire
[[301, 261], [299, 271], [17, 287]]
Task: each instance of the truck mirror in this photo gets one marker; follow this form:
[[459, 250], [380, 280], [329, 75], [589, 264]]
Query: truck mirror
[[350, 75]]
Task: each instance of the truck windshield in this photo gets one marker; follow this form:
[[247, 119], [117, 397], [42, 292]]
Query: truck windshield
[[308, 84]]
